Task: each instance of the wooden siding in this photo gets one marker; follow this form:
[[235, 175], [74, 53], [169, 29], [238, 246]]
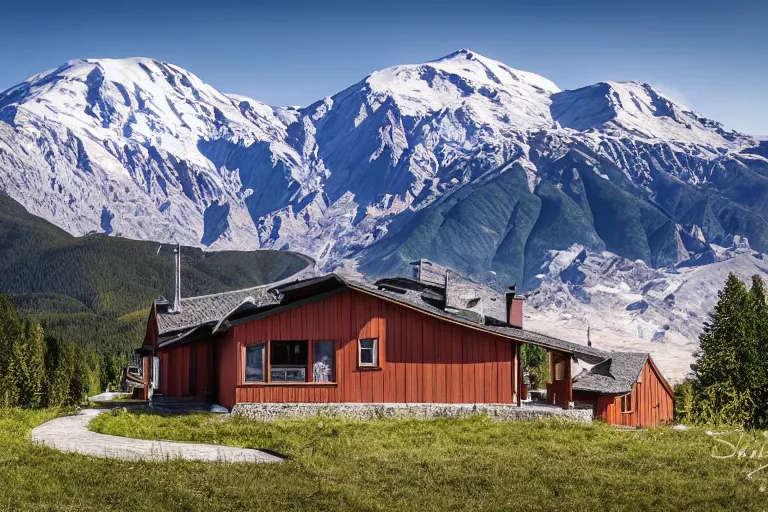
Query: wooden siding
[[226, 371], [652, 402], [421, 358], [203, 378], [560, 392], [150, 336]]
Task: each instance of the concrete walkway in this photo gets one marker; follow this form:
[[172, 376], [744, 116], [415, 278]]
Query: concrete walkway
[[71, 434]]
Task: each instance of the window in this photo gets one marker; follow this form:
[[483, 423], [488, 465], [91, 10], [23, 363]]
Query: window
[[626, 403], [254, 363], [322, 365], [288, 361], [560, 371], [368, 352]]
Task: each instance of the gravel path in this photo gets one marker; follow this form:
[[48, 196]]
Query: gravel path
[[71, 434]]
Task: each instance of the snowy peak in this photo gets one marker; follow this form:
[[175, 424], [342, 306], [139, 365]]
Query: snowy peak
[[484, 88], [635, 108], [139, 98], [145, 149], [492, 72]]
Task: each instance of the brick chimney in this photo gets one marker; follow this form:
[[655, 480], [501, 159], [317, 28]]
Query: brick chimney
[[514, 308]]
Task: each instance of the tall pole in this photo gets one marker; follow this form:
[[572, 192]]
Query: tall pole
[[177, 285]]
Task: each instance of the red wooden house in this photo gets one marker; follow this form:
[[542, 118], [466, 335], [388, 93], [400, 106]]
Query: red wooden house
[[438, 338]]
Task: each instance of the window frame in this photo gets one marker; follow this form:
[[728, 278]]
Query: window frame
[[312, 351], [375, 352], [559, 373], [623, 405], [307, 367], [267, 365], [264, 362]]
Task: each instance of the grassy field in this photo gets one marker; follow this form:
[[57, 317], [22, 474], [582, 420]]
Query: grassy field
[[472, 464]]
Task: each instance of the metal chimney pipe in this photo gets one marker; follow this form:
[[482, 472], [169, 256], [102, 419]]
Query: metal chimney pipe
[[177, 284]]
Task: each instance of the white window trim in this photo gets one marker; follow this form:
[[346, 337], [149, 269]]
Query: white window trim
[[375, 349]]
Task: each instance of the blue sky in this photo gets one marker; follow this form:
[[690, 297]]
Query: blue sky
[[712, 57]]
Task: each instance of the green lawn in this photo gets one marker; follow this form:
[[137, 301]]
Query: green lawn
[[469, 464]]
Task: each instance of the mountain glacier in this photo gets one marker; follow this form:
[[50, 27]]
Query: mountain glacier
[[462, 160]]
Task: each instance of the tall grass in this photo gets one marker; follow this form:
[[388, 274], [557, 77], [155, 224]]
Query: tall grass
[[467, 464]]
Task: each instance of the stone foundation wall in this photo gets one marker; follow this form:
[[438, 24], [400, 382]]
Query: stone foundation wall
[[357, 411]]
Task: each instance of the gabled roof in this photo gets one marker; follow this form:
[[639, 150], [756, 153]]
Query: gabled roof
[[204, 309], [209, 309], [223, 310], [415, 301], [614, 376]]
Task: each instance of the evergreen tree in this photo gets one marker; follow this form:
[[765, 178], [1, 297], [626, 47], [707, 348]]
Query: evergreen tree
[[721, 389], [9, 333], [29, 358], [756, 358], [81, 378], [111, 371], [36, 370], [59, 367]]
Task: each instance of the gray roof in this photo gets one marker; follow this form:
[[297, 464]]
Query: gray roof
[[206, 309], [430, 273], [413, 299], [210, 309], [217, 308], [614, 376]]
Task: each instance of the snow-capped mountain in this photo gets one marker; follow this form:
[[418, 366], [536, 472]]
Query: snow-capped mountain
[[463, 160]]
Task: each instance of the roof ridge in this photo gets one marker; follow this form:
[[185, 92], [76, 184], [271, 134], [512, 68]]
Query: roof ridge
[[273, 284], [219, 294]]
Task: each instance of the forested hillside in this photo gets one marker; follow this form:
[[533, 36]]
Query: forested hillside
[[96, 290]]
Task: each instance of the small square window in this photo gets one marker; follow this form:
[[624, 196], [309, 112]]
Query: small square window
[[368, 352]]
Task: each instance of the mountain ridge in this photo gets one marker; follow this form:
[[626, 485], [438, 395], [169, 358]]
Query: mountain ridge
[[380, 171]]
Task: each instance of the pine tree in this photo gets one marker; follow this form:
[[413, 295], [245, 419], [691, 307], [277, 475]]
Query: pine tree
[[756, 358], [59, 367], [9, 333], [721, 387], [29, 357], [81, 378]]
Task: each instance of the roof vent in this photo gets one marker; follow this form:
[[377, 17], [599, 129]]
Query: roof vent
[[162, 304]]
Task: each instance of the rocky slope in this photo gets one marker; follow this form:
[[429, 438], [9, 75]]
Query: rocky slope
[[630, 306], [413, 160]]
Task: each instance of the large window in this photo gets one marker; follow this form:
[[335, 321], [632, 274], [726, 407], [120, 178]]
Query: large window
[[368, 352], [295, 361], [254, 363], [288, 361], [322, 367]]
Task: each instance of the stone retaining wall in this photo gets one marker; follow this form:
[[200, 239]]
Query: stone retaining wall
[[358, 411]]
